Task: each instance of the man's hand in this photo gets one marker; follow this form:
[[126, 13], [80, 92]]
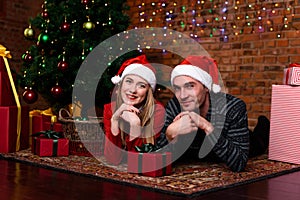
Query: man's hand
[[201, 122], [182, 124]]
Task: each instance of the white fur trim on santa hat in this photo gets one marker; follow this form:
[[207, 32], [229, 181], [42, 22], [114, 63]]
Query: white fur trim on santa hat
[[116, 79], [139, 70], [196, 73], [216, 88]]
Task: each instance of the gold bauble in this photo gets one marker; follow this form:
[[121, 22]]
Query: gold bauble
[[29, 33]]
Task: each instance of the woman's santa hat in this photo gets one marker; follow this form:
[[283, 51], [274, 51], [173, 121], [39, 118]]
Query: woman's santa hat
[[137, 66], [201, 68]]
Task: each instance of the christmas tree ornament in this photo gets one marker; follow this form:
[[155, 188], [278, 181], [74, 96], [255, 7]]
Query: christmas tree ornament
[[85, 2], [30, 96], [88, 26], [56, 91], [45, 14], [43, 38], [29, 33], [28, 57], [65, 26], [61, 26], [63, 65], [24, 55]]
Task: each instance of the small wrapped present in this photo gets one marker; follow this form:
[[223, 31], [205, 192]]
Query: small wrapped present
[[292, 75], [50, 143], [40, 123], [40, 120], [284, 142], [147, 162]]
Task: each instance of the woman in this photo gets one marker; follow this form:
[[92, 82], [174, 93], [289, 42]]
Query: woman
[[135, 118]]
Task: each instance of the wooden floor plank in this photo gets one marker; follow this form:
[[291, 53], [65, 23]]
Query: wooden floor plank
[[21, 181]]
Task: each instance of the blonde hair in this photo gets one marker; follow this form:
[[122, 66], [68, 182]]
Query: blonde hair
[[146, 116]]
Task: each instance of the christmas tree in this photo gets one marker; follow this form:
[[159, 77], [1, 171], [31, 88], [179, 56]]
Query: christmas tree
[[63, 34]]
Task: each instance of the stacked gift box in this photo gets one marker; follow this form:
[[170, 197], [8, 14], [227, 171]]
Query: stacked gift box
[[14, 118], [47, 135], [285, 117]]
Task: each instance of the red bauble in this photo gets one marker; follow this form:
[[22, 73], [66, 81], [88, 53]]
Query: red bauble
[[63, 65], [84, 2], [30, 96], [28, 58], [65, 27], [45, 14], [56, 91]]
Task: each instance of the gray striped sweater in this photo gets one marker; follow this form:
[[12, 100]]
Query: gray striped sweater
[[228, 143]]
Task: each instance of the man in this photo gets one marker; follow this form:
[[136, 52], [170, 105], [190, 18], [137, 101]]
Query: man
[[202, 122]]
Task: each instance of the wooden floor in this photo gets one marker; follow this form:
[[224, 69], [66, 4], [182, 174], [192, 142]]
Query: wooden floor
[[19, 181]]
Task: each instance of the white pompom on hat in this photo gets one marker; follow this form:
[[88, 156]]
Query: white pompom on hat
[[137, 66], [201, 68]]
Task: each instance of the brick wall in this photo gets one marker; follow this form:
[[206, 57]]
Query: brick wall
[[14, 18], [249, 63]]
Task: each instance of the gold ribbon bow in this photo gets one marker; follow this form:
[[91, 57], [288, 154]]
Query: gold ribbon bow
[[47, 112], [6, 54]]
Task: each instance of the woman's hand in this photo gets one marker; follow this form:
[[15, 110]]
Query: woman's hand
[[122, 108], [135, 123], [129, 114]]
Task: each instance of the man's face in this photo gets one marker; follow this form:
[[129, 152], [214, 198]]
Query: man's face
[[189, 92]]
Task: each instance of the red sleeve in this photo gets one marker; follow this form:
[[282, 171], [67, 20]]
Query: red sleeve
[[113, 144]]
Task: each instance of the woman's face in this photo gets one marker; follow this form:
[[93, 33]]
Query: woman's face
[[134, 90]]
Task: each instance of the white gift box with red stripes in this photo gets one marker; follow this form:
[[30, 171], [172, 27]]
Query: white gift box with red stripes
[[285, 124], [291, 75]]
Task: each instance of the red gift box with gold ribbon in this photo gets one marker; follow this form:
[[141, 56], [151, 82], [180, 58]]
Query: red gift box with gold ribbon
[[14, 118], [6, 93], [8, 129], [42, 120]]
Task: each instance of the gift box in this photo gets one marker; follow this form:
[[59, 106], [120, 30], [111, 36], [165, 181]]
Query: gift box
[[284, 142], [44, 146], [8, 128], [150, 164], [40, 122], [6, 92], [291, 76]]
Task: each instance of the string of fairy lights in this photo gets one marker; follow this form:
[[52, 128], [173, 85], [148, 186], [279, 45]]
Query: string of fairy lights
[[221, 18]]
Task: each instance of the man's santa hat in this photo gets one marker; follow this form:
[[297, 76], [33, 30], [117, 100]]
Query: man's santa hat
[[201, 68], [137, 66]]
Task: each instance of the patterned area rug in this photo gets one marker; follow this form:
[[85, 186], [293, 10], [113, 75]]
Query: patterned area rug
[[186, 179]]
